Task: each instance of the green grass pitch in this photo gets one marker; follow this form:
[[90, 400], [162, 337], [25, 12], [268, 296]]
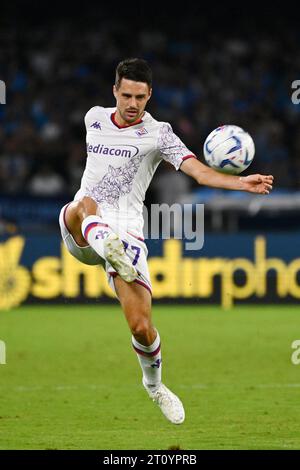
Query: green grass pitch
[[72, 380]]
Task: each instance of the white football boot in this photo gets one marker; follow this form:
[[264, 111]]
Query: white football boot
[[168, 402], [116, 256]]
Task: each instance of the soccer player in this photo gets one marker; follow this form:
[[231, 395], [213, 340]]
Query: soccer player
[[104, 223]]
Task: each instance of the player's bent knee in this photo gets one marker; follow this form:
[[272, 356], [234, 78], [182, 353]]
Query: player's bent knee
[[85, 207], [140, 328]]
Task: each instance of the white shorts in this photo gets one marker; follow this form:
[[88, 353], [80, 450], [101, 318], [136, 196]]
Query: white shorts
[[135, 248]]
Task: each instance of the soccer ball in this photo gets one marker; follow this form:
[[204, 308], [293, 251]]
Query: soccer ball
[[229, 149]]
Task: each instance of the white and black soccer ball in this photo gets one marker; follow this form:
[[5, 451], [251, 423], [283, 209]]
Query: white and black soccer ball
[[229, 149]]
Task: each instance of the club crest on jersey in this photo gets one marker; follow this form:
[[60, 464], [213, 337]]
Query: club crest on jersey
[[96, 125], [141, 131]]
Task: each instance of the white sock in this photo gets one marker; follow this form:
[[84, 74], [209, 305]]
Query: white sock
[[95, 231], [150, 361]]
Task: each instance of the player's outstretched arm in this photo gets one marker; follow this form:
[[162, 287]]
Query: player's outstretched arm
[[260, 184]]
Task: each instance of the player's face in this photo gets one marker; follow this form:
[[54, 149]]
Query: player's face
[[131, 99]]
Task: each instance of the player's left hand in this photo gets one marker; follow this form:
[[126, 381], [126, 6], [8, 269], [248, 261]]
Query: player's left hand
[[260, 184]]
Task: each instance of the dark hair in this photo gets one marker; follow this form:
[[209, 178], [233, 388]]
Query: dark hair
[[134, 69]]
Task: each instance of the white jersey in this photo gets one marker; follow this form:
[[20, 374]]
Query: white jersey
[[121, 162]]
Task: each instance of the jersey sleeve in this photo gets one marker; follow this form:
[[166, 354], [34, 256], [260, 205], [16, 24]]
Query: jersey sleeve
[[171, 148], [91, 116]]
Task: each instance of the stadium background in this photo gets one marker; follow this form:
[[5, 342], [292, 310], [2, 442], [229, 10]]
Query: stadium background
[[210, 68], [57, 67]]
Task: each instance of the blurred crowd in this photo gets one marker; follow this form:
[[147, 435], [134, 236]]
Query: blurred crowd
[[54, 73]]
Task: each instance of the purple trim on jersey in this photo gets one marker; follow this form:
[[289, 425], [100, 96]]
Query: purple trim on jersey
[[144, 285], [113, 120], [135, 236], [92, 225], [147, 354], [114, 274], [188, 156]]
